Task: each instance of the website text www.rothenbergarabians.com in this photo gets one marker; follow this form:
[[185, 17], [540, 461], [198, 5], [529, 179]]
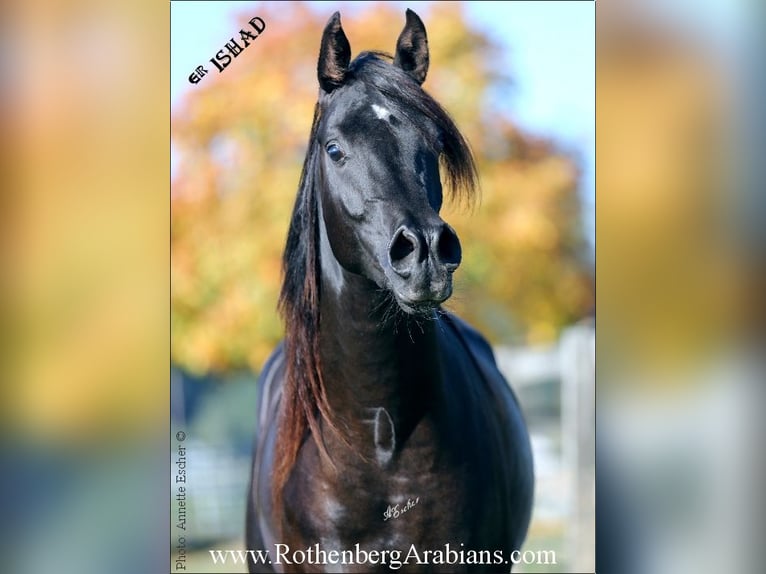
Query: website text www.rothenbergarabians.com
[[283, 555]]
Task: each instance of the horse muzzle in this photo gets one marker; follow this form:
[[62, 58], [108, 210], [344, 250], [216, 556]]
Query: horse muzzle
[[422, 260]]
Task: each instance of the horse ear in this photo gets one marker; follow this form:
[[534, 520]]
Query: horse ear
[[334, 55], [412, 48]]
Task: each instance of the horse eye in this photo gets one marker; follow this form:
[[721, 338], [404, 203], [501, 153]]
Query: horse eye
[[336, 154]]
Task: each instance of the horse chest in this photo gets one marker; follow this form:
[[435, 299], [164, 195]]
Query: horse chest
[[416, 498]]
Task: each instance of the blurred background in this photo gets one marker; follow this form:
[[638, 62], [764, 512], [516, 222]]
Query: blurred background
[[86, 170], [519, 81], [85, 284], [680, 131]]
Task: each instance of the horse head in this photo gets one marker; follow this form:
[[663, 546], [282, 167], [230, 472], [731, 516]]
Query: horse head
[[379, 139]]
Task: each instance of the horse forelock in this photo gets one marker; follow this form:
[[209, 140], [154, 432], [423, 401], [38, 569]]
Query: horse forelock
[[375, 70]]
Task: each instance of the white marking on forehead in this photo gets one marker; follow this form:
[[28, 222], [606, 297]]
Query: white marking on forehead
[[381, 112]]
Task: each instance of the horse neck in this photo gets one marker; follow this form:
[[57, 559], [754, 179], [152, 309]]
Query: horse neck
[[371, 360]]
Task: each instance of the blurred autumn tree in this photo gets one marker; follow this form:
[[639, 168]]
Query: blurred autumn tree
[[666, 194], [240, 139]]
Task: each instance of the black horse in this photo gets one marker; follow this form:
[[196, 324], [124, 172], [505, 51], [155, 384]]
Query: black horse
[[384, 424]]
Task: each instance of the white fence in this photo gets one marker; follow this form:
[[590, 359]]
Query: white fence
[[556, 386]]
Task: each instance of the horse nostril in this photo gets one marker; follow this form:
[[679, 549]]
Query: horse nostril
[[402, 246], [448, 248], [404, 243]]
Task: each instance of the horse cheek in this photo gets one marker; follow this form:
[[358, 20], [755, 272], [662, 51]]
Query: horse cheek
[[342, 238]]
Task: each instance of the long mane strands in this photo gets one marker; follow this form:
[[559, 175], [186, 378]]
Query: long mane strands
[[375, 69], [303, 395]]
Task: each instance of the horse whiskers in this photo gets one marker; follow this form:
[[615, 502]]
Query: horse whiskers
[[384, 301], [409, 333], [388, 306]]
